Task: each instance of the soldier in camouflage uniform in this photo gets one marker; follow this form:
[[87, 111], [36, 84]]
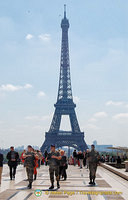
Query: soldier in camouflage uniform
[[53, 162], [29, 157], [93, 158]]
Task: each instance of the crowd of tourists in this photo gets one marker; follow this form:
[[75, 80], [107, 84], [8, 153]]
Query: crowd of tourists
[[57, 162], [81, 159], [32, 159]]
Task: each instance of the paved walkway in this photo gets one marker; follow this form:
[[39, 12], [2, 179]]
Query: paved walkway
[[120, 172], [75, 188]]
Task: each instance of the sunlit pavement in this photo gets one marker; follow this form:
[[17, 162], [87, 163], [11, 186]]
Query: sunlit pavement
[[108, 186]]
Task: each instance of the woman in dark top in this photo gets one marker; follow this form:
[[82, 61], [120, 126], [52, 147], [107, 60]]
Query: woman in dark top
[[1, 166]]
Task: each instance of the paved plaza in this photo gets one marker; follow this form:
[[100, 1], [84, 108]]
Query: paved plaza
[[108, 186]]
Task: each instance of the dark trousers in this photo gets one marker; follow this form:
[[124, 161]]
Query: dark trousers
[[12, 171], [84, 162], [62, 171]]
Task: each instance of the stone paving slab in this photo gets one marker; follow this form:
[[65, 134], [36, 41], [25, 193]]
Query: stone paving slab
[[75, 187], [121, 172]]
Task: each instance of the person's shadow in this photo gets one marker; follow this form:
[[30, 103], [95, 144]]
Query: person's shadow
[[91, 185], [26, 188], [49, 189]]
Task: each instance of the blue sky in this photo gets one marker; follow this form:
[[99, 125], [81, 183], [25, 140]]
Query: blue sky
[[30, 40]]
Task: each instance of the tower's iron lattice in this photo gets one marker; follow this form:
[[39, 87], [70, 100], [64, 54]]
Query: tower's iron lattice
[[65, 104]]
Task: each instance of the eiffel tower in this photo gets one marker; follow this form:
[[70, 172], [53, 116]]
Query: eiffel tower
[[65, 104]]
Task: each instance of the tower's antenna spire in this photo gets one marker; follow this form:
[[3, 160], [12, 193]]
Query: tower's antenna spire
[[64, 10]]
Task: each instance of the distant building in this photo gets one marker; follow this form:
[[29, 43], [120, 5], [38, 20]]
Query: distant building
[[102, 147]]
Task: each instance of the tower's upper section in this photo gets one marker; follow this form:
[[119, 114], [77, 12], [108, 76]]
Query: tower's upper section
[[65, 90], [64, 22]]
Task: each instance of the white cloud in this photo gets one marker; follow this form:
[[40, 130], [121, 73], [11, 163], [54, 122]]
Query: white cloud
[[76, 99], [45, 37], [96, 116], [100, 114], [92, 126], [27, 86], [114, 103], [121, 116], [13, 88], [29, 36], [41, 94], [9, 87]]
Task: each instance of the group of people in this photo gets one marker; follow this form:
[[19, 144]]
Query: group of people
[[112, 159], [89, 158], [56, 159], [79, 158], [31, 159], [37, 159]]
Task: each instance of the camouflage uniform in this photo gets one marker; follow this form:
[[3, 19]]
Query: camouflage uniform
[[93, 161], [29, 164], [53, 166]]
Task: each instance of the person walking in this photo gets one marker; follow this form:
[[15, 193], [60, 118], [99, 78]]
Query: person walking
[[118, 160], [45, 157], [93, 158], [71, 160], [12, 158], [53, 162], [84, 158], [1, 166], [75, 157], [29, 163], [63, 166], [80, 158]]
